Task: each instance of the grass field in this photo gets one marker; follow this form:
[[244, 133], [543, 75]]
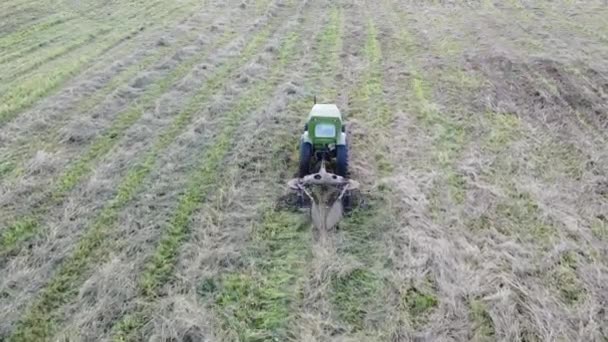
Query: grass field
[[145, 148]]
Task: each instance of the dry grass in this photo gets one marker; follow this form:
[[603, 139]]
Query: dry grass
[[144, 149]]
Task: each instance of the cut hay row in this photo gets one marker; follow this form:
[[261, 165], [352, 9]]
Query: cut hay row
[[40, 320], [15, 38], [554, 159], [260, 299], [27, 50], [16, 70], [86, 29], [50, 78], [160, 267], [15, 157], [64, 17], [23, 148], [355, 282], [32, 43], [147, 217], [558, 163], [25, 227]]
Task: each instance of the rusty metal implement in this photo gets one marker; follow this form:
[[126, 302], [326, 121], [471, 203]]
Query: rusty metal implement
[[327, 209]]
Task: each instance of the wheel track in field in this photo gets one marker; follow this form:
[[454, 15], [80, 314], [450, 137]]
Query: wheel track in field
[[48, 137], [31, 90], [72, 269]]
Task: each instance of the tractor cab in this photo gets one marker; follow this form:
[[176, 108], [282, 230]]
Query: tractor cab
[[323, 139]]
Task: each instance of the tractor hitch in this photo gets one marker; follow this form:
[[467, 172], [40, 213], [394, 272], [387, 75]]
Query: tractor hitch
[[327, 192]]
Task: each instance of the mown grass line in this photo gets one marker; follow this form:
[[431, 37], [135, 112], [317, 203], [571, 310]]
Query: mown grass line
[[63, 33], [255, 303], [328, 58], [41, 319], [15, 54], [15, 20], [66, 17], [106, 141], [12, 71], [160, 266], [80, 34], [12, 161], [352, 294], [16, 5], [8, 41], [450, 131], [39, 85]]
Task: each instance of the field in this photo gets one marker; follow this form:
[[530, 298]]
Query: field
[[145, 148]]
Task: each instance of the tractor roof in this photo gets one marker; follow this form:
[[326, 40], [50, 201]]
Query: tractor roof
[[325, 110]]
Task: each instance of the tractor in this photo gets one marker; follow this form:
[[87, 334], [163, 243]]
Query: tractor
[[323, 140], [323, 143]]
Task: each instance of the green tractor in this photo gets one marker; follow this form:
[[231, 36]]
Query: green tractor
[[323, 141]]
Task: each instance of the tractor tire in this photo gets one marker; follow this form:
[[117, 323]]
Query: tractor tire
[[305, 157], [341, 160]]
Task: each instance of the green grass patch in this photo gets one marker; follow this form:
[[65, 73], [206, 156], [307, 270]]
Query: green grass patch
[[41, 319], [327, 59], [23, 230], [39, 41], [6, 42], [22, 68], [449, 137], [363, 226], [419, 304], [566, 280], [518, 215], [557, 158], [255, 303], [368, 103], [502, 130], [483, 325], [599, 228], [160, 266], [354, 295]]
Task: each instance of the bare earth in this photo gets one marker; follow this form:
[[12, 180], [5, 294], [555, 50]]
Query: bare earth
[[145, 148]]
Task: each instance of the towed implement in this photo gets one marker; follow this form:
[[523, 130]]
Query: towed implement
[[323, 145]]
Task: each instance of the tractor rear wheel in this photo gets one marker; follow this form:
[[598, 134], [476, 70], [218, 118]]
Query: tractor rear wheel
[[305, 156], [341, 160]]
